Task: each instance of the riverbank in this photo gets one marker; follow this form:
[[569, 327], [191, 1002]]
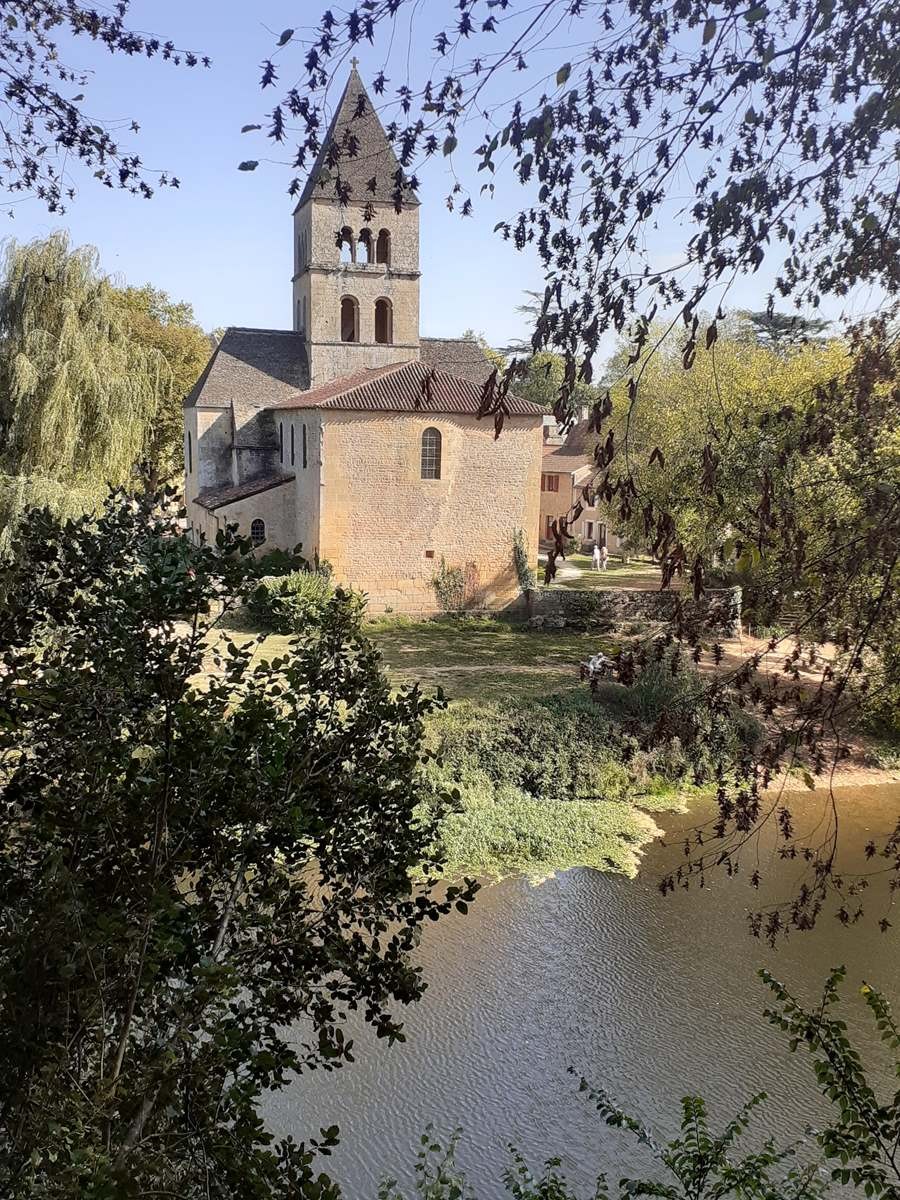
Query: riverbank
[[532, 773]]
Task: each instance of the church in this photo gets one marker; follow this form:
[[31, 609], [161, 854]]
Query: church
[[349, 434]]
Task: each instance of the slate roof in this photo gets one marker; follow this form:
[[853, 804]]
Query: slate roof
[[403, 387], [457, 356], [217, 497], [252, 366], [356, 162]]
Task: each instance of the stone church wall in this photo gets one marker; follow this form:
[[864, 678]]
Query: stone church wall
[[385, 529]]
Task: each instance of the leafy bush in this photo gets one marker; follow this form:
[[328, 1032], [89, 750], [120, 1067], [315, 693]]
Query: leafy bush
[[453, 586], [540, 785], [295, 603], [524, 570], [690, 734]]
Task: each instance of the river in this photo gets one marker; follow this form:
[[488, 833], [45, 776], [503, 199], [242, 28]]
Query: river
[[650, 997]]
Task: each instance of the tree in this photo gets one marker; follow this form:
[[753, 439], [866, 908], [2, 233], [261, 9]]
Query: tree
[[92, 378], [45, 129], [782, 331], [206, 863], [666, 151], [169, 327]]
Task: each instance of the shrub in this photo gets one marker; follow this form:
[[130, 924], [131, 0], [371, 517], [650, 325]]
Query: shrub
[[295, 603], [454, 586], [524, 570], [690, 735]]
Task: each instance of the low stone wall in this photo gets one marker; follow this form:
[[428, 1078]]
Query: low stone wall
[[590, 608]]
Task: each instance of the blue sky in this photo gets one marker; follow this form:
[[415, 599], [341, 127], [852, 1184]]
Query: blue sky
[[223, 241]]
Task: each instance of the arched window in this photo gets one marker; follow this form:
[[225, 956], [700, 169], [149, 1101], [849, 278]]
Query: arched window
[[366, 246], [345, 244], [384, 322], [257, 531], [431, 453], [383, 248], [349, 319]]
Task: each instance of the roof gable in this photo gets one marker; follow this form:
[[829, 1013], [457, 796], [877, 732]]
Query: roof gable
[[252, 367], [356, 162]]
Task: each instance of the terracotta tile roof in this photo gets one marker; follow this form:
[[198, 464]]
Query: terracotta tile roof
[[403, 387], [356, 163], [218, 497], [254, 367]]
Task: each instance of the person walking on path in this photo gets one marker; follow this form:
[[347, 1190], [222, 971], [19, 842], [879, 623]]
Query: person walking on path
[[604, 556], [595, 558]]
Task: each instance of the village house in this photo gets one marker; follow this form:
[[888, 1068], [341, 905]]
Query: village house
[[566, 467], [350, 435]]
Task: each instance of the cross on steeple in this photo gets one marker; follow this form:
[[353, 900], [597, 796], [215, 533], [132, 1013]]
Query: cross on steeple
[[354, 62]]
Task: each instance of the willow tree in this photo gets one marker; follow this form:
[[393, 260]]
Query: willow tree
[[79, 394]]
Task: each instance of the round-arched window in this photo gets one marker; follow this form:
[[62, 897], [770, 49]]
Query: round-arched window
[[431, 453], [383, 247], [257, 531], [349, 319], [384, 322]]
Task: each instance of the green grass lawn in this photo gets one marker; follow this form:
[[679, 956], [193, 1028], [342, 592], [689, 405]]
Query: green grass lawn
[[634, 574], [472, 658]]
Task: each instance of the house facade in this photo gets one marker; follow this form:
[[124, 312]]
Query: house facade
[[350, 435], [567, 466]]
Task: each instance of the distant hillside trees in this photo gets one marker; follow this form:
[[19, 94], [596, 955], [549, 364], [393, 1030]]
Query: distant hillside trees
[[92, 378]]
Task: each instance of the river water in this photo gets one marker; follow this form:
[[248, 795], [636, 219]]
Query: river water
[[649, 997]]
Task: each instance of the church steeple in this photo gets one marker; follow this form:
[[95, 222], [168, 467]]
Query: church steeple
[[356, 248], [356, 163]]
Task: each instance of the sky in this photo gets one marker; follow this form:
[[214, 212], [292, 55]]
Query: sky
[[223, 241]]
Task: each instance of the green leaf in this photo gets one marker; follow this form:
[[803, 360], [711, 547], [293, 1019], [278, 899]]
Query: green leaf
[[249, 164], [709, 31], [563, 74], [450, 145], [758, 13], [285, 37]]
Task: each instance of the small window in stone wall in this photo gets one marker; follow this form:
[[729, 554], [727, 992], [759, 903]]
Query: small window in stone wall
[[384, 322], [349, 319], [304, 446], [190, 454], [292, 443], [281, 441], [383, 248], [257, 531], [431, 454]]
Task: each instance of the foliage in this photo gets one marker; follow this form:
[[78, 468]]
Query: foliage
[[781, 161], [78, 394], [91, 380], [697, 1165], [782, 331], [200, 875], [864, 1134], [524, 570], [542, 785], [158, 323], [751, 135], [46, 129], [297, 602], [453, 586]]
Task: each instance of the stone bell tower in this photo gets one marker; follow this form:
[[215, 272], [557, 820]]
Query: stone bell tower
[[356, 257]]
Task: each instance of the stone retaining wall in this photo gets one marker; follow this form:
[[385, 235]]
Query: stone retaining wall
[[719, 611]]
